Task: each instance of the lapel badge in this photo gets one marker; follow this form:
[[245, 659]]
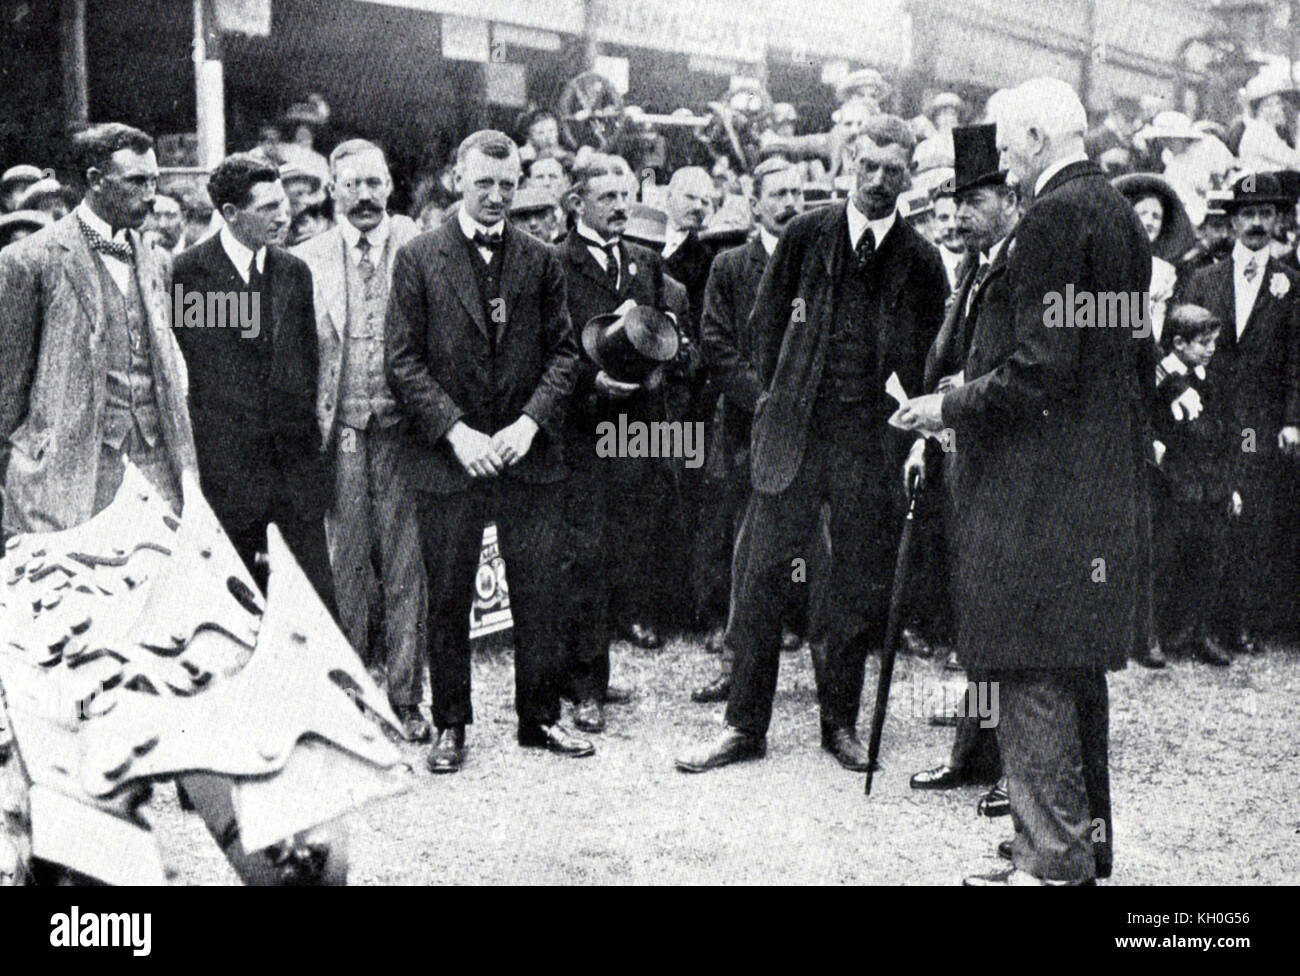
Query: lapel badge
[[1278, 285]]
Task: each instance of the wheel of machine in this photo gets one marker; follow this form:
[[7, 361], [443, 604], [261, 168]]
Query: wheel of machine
[[590, 110]]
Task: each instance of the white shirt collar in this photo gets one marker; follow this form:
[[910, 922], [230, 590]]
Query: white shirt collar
[[768, 239], [377, 235], [673, 239], [1242, 255], [993, 251], [468, 225], [240, 256], [99, 225], [859, 222], [1056, 167], [591, 237]]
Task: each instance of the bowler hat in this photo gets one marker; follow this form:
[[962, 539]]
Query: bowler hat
[[1250, 189], [633, 346], [975, 153]]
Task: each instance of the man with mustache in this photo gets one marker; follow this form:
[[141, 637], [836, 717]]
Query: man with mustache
[[851, 295], [730, 353], [361, 427], [89, 373], [253, 389], [613, 505], [1257, 359]]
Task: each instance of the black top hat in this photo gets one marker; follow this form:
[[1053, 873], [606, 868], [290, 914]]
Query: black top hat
[[632, 347], [975, 151], [1256, 188]]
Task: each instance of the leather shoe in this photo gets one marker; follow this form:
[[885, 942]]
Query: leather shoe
[[940, 778], [996, 802], [554, 738], [589, 716], [716, 690], [1153, 657], [790, 641], [843, 744], [448, 753], [731, 747], [414, 727], [1014, 877], [713, 643], [617, 695], [642, 636], [1209, 650], [915, 645], [1102, 863]]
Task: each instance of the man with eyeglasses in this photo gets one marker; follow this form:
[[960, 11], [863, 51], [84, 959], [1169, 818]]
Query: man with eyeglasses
[[374, 510], [90, 374]]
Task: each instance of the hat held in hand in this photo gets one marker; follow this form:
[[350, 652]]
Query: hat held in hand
[[631, 344]]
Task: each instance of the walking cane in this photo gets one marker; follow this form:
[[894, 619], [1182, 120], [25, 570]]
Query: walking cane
[[890, 649]]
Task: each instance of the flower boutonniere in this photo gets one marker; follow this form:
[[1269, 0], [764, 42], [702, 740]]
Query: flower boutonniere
[[1278, 285], [631, 269]]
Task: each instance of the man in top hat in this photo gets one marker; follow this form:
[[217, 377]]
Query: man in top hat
[[90, 374], [851, 296], [1052, 434], [1258, 359], [534, 210], [15, 181], [614, 505], [480, 356], [362, 429], [987, 213], [730, 351]]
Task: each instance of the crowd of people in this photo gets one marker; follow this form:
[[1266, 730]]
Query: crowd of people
[[415, 377]]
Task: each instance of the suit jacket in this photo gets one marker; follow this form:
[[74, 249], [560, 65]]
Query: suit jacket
[[694, 390], [54, 369], [792, 320], [947, 354], [1200, 453], [589, 294], [255, 441], [325, 254], [1052, 512], [1262, 368], [730, 352], [446, 361]]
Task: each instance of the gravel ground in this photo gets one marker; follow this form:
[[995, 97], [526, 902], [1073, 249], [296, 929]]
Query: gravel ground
[[1204, 767]]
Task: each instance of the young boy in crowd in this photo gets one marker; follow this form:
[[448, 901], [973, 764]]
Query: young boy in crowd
[[1196, 500]]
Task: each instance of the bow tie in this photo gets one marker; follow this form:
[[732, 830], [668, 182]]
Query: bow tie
[[98, 242], [491, 242]]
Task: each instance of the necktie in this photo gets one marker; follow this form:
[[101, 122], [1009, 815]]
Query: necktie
[[981, 273], [118, 249], [866, 248], [365, 265], [1251, 269], [490, 242], [611, 263], [254, 276]]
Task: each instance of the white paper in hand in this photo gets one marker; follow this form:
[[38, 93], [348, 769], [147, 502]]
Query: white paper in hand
[[894, 387]]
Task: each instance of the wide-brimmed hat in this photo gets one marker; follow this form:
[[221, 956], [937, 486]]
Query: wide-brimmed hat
[[1170, 126], [631, 347], [914, 203], [42, 189], [24, 173], [530, 199], [35, 219], [1177, 235], [1270, 81]]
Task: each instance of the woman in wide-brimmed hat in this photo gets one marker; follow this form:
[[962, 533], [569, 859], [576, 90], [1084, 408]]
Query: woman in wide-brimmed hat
[[1168, 229]]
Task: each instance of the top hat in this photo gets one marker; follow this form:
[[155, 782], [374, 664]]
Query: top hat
[[1256, 188], [631, 347], [975, 153]]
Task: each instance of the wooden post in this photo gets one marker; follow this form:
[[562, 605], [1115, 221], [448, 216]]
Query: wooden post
[[72, 37], [209, 87]]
